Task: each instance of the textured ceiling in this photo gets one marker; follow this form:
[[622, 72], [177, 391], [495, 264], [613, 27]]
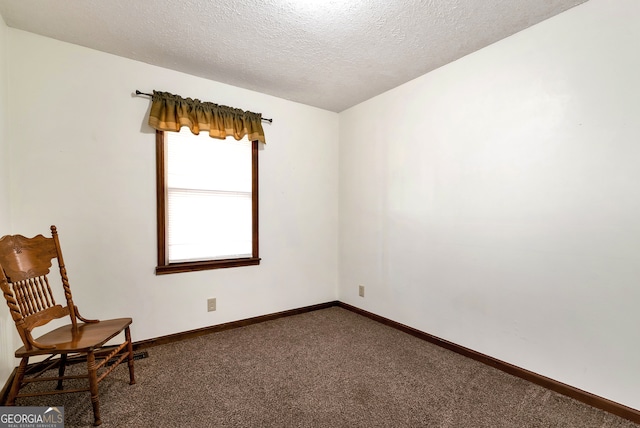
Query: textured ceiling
[[330, 54]]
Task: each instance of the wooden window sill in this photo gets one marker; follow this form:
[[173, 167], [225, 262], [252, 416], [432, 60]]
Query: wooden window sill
[[206, 265]]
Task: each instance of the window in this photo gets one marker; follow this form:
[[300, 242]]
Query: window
[[207, 191]]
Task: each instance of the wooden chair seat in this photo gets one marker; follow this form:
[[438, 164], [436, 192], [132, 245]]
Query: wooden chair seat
[[25, 264], [86, 337]]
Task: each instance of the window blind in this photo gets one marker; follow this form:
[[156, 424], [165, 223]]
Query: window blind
[[209, 198]]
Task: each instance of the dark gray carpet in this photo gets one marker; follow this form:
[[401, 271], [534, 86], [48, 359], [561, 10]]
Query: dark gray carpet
[[328, 368]]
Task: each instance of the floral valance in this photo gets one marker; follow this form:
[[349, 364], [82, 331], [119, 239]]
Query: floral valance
[[171, 112]]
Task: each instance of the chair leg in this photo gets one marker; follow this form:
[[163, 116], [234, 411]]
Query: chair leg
[[93, 387], [17, 381], [127, 335], [61, 369]]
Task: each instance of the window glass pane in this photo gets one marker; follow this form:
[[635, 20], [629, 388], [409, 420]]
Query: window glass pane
[[202, 162], [209, 200]]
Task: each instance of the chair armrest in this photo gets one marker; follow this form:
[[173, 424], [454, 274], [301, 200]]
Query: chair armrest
[[81, 318]]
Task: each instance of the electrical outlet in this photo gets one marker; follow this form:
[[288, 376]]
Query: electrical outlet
[[361, 290], [211, 304]]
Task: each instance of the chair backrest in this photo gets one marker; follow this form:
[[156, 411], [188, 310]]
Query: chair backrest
[[24, 266]]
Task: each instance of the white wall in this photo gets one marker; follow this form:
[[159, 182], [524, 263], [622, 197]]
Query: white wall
[[84, 160], [501, 212], [7, 361]]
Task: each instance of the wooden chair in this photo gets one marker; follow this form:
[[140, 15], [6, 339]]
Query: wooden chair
[[24, 266]]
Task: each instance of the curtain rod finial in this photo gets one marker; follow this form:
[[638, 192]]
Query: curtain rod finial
[[143, 93]]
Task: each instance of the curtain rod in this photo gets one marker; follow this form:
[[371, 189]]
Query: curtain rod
[[151, 95]]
